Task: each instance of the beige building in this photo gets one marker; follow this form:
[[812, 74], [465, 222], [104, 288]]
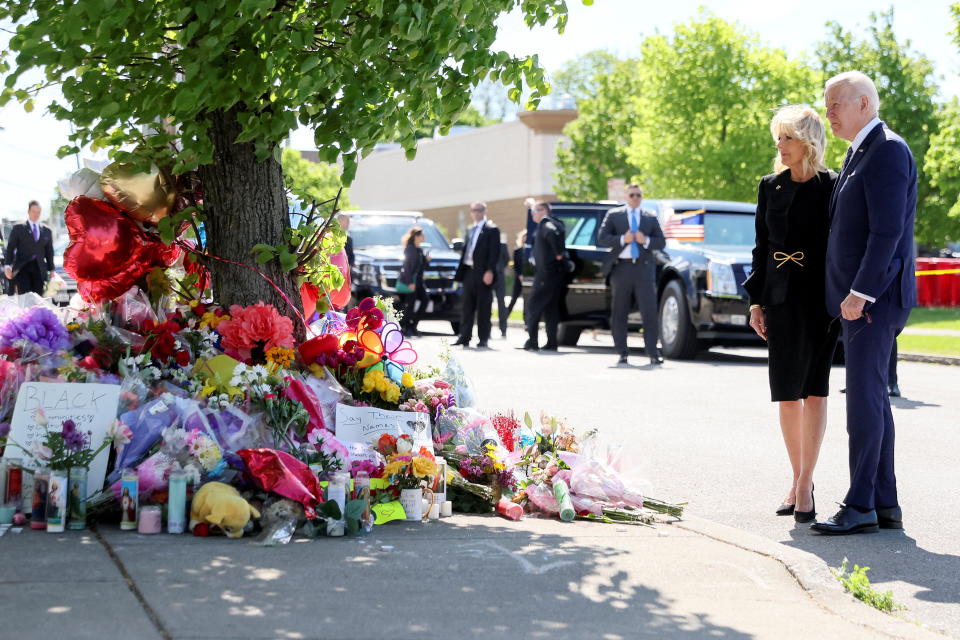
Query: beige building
[[501, 165]]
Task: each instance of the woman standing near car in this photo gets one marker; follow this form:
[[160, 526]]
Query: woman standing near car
[[786, 288], [410, 280]]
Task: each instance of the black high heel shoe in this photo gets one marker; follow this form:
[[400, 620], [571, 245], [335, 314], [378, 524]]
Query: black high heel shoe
[[785, 509], [807, 516]]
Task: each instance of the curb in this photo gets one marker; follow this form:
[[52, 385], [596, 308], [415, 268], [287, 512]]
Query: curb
[[930, 358], [815, 578]]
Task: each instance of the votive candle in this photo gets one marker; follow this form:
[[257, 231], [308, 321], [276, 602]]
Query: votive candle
[[150, 520]]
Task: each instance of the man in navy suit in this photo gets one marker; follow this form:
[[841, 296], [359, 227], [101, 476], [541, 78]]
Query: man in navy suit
[[871, 286], [633, 236], [477, 272], [28, 256]]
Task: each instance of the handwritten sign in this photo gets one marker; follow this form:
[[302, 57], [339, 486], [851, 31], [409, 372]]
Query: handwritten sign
[[388, 511], [91, 406], [367, 424]]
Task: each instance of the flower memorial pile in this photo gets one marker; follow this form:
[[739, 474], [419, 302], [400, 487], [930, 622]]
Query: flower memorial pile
[[266, 419]]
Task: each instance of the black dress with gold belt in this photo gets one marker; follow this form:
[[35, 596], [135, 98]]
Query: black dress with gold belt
[[787, 279]]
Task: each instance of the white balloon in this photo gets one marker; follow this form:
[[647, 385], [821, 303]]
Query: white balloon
[[85, 182]]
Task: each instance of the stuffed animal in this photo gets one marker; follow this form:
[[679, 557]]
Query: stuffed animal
[[216, 503]]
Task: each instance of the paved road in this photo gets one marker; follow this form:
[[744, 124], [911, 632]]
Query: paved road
[[705, 431]]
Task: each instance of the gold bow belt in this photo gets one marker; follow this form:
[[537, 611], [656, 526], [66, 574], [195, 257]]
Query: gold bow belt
[[783, 258]]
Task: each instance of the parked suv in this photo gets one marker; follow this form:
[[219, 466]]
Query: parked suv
[[379, 256], [701, 300]]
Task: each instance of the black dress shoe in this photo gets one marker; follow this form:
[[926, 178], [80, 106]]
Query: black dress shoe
[[847, 521], [890, 518], [483, 345], [461, 343], [622, 360], [549, 347], [656, 361], [894, 391], [529, 345]]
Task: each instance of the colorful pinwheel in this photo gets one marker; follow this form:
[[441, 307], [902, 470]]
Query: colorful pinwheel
[[388, 347]]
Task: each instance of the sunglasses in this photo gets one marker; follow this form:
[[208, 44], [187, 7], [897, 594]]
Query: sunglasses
[[634, 195], [866, 317], [477, 210]]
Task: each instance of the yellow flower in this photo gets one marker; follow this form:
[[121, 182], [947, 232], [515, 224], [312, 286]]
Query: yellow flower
[[194, 303], [424, 467], [210, 319], [72, 326], [280, 356], [406, 379], [207, 390], [317, 370], [394, 467]]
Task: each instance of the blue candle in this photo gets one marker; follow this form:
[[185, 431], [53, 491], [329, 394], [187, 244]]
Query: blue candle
[[177, 502]]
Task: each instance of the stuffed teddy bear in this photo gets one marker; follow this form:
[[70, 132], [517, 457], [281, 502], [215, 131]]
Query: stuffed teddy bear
[[216, 503]]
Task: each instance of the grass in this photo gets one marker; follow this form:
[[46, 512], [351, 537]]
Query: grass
[[942, 345], [857, 583], [935, 318]]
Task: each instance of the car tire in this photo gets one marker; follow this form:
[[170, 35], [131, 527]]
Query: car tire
[[455, 327], [677, 335], [569, 334]]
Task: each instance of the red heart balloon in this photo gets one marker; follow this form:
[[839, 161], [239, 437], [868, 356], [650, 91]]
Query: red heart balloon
[[341, 296], [108, 251], [309, 293]]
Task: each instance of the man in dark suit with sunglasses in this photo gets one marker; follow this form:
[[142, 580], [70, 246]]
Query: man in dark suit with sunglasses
[[871, 286]]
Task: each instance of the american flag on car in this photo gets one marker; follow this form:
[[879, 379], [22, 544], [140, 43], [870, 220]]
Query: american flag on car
[[686, 226]]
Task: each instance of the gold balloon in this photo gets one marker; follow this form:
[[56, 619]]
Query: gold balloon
[[144, 196]]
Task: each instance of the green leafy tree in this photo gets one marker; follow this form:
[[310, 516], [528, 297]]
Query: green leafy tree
[[701, 121], [312, 181], [223, 82], [941, 167], [597, 141], [907, 86], [580, 77]]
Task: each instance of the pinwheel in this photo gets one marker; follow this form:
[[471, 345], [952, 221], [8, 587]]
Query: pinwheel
[[387, 347]]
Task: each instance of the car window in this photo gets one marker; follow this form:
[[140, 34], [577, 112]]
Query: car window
[[581, 229], [710, 227], [369, 231]]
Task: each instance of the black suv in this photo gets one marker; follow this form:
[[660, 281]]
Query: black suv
[[378, 256], [701, 300]]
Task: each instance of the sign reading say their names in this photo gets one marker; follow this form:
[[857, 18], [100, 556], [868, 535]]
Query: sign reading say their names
[[91, 406], [367, 424]]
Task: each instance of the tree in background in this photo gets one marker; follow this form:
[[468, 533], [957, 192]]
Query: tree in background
[[941, 165], [701, 124], [597, 141], [229, 79], [312, 181], [580, 77], [907, 87]]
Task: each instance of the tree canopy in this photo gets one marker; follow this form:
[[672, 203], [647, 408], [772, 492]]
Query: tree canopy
[[221, 83]]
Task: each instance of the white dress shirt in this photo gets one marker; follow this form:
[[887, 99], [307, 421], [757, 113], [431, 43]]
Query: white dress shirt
[[472, 244], [625, 253], [857, 141]]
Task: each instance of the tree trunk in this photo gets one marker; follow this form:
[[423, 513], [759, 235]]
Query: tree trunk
[[245, 204]]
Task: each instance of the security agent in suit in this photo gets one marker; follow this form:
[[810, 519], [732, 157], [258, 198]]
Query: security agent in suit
[[477, 272], [28, 256], [632, 236], [549, 278], [870, 285]]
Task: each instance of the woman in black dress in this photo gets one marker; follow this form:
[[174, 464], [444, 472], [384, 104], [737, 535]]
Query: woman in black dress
[[411, 275], [786, 288]]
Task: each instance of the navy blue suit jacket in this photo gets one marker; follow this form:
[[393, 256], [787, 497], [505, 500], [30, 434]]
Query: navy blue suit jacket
[[872, 214]]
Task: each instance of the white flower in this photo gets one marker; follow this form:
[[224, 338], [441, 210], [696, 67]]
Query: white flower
[[40, 417], [42, 452], [259, 372], [193, 473], [240, 369], [119, 433]]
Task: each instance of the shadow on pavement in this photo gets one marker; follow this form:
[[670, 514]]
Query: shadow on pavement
[[445, 580]]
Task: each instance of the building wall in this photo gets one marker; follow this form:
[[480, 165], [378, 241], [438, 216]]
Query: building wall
[[501, 165]]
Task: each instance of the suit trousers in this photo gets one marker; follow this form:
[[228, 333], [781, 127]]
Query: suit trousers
[[545, 301], [500, 287], [634, 281], [477, 302], [867, 346], [28, 279]]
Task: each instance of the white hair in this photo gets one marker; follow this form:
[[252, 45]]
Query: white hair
[[857, 85]]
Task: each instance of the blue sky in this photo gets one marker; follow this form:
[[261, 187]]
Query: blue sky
[[29, 168]]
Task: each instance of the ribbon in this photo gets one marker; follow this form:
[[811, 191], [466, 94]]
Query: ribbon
[[784, 258], [937, 272]]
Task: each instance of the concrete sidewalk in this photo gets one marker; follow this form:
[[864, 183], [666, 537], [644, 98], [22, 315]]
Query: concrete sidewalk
[[467, 576]]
